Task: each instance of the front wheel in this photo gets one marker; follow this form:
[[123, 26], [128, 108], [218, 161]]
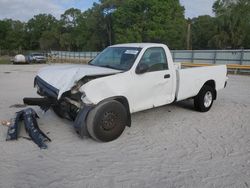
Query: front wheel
[[204, 100], [107, 121]]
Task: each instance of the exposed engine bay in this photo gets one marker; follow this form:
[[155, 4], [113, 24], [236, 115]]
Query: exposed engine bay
[[69, 104]]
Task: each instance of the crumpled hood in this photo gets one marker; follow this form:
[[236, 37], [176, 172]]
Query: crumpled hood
[[64, 77]]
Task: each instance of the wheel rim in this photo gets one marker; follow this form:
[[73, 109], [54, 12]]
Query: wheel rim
[[109, 121], [208, 98]]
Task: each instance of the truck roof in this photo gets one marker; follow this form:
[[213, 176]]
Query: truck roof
[[138, 45]]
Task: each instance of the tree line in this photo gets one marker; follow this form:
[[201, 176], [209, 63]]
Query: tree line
[[117, 21]]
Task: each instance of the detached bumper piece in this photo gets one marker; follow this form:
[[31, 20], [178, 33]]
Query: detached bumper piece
[[14, 128], [44, 103], [29, 117]]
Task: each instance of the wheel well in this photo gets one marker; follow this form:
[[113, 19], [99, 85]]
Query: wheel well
[[125, 103], [211, 83]]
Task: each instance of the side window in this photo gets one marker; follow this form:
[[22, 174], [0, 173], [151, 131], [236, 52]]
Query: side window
[[155, 59]]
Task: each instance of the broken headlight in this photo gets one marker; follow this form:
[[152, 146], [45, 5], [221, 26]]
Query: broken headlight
[[85, 99]]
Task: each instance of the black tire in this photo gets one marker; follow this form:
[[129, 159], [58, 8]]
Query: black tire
[[200, 102], [107, 121]]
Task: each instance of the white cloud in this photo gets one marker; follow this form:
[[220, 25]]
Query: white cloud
[[194, 8], [25, 9]]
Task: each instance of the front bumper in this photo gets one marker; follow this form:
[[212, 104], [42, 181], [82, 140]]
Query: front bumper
[[49, 99], [45, 89]]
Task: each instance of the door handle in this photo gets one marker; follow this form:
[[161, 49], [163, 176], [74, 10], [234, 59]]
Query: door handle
[[166, 76]]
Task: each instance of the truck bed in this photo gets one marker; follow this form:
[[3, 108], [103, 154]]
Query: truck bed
[[191, 80]]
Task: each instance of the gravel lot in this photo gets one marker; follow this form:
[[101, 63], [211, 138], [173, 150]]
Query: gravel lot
[[170, 146]]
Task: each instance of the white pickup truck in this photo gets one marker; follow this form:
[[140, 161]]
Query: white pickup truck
[[123, 79]]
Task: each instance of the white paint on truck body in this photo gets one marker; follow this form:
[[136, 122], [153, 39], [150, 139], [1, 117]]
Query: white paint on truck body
[[191, 80], [64, 77], [143, 91]]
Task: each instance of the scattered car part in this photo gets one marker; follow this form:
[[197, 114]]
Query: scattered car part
[[13, 130], [31, 127], [44, 103], [29, 116]]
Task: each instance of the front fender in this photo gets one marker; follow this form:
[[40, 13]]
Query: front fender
[[105, 88], [80, 121]]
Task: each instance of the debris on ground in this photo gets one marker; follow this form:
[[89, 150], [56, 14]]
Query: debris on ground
[[29, 117], [5, 123]]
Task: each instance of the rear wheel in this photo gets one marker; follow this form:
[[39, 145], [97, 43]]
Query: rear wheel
[[107, 121], [204, 100]]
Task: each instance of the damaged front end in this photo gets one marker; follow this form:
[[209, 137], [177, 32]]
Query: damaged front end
[[70, 105]]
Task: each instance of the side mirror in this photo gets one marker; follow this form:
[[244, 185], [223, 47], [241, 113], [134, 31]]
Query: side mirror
[[141, 68]]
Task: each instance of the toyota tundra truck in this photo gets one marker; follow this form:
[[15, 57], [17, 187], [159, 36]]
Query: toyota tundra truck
[[99, 97]]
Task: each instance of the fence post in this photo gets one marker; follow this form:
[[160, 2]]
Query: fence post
[[79, 57], [173, 55], [192, 56], [241, 57], [215, 56], [74, 57]]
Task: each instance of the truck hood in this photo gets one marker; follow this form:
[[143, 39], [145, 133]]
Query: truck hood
[[64, 77]]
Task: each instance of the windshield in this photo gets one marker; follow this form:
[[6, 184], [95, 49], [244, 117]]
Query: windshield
[[120, 58]]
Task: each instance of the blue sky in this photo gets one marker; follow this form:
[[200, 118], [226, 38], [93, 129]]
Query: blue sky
[[26, 9]]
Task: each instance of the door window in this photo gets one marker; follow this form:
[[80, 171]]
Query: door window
[[155, 59]]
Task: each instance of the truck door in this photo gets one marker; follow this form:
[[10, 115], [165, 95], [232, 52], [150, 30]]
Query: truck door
[[154, 85]]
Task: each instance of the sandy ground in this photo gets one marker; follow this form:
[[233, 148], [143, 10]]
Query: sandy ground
[[170, 146]]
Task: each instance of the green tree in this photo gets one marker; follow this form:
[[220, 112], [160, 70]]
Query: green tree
[[151, 21], [203, 30], [5, 28], [70, 17], [49, 40], [37, 25], [12, 35], [232, 23]]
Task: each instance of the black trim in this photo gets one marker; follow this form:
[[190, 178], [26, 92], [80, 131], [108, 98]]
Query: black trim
[[45, 89], [80, 121]]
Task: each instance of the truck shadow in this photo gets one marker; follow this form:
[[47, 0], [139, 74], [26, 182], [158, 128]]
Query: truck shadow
[[186, 104]]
